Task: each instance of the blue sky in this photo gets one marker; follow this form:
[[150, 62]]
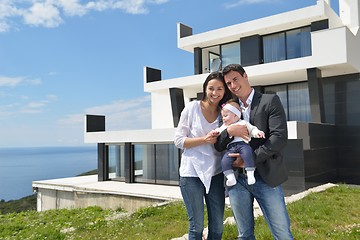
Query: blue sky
[[62, 59]]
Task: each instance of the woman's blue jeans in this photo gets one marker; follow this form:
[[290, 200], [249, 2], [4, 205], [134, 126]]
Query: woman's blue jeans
[[193, 193], [271, 201]]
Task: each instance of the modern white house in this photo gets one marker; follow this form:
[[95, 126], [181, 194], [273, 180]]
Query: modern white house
[[310, 57]]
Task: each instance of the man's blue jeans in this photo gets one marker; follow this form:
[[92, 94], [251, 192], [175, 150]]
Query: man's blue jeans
[[193, 193], [271, 201]]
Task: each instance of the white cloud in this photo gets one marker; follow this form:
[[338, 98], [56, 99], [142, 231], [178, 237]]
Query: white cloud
[[38, 106], [43, 14], [10, 82], [15, 81], [119, 115], [29, 107], [72, 7], [51, 13]]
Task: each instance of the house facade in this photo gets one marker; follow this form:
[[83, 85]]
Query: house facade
[[310, 57]]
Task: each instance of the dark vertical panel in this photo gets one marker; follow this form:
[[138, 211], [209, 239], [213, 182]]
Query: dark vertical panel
[[177, 104], [316, 95], [348, 163], [103, 163], [294, 160], [129, 163], [251, 50], [197, 61], [95, 123], [341, 112], [152, 74], [184, 30]]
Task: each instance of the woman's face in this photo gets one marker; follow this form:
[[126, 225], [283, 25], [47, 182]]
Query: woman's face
[[215, 91]]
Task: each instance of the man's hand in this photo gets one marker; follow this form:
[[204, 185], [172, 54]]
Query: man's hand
[[239, 131], [238, 163]]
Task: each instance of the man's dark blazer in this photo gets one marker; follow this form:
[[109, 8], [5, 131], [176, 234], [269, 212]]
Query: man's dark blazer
[[267, 113]]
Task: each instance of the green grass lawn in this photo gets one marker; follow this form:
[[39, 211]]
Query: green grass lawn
[[332, 214]]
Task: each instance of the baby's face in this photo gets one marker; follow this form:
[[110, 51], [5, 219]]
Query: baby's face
[[229, 117]]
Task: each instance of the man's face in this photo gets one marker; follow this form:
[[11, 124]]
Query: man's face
[[237, 84]]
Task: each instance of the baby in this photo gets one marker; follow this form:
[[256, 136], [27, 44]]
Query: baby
[[231, 114]]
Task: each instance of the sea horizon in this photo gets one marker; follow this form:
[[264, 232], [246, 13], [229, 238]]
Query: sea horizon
[[20, 166]]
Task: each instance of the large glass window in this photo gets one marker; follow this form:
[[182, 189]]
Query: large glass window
[[230, 53], [167, 164], [287, 45], [116, 162], [274, 47], [156, 163], [210, 59], [153, 163], [298, 43], [295, 100], [144, 158], [299, 102]]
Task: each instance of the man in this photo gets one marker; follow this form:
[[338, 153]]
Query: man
[[266, 113]]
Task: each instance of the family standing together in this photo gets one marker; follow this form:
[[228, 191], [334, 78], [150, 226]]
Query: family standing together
[[201, 172]]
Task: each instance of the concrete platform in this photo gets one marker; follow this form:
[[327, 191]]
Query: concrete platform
[[83, 191]]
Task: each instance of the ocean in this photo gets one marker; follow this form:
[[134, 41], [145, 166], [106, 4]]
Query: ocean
[[20, 166]]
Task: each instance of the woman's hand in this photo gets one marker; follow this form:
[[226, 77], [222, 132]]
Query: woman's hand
[[211, 137], [238, 163]]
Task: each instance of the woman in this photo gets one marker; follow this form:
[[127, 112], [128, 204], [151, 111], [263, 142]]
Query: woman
[[200, 169]]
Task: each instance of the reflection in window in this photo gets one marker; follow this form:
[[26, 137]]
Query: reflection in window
[[144, 158], [299, 102], [156, 163], [287, 45], [298, 43], [230, 53], [167, 164], [210, 59], [215, 62], [116, 162], [295, 100]]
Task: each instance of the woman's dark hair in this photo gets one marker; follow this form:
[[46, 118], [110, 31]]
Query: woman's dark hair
[[233, 67], [219, 76]]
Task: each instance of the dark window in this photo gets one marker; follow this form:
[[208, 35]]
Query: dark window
[[295, 100], [298, 43], [153, 163], [287, 45]]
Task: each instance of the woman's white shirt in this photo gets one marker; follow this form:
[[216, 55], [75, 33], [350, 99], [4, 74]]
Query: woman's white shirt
[[202, 161]]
